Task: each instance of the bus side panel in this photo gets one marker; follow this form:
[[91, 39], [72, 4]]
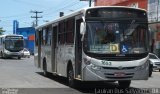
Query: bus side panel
[[36, 50], [64, 55], [60, 60], [36, 57], [46, 53]]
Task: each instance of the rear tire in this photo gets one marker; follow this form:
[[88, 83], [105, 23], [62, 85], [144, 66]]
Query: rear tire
[[124, 84], [159, 70], [45, 73]]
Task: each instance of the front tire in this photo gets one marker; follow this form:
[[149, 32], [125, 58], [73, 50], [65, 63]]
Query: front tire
[[124, 84], [150, 70], [71, 80]]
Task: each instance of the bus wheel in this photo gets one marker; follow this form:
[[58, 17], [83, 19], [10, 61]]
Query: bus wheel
[[150, 70], [71, 80], [45, 73], [124, 84], [19, 57]]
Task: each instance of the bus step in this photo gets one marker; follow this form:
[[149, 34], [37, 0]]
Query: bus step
[[78, 79]]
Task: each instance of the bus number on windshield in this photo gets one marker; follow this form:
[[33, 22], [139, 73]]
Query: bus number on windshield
[[106, 63]]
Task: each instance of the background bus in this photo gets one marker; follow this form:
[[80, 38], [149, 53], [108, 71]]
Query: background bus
[[95, 44], [11, 46]]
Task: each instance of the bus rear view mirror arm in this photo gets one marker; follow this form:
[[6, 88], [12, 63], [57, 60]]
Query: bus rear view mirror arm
[[82, 29]]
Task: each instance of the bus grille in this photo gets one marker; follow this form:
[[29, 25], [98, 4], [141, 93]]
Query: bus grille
[[117, 68]]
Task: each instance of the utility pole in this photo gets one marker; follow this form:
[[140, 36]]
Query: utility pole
[[157, 9], [36, 12], [90, 2]]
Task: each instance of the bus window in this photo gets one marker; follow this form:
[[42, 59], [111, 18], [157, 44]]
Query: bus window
[[48, 36], [70, 31], [44, 37], [61, 33]]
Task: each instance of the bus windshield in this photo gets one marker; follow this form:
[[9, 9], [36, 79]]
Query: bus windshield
[[14, 44], [126, 37]]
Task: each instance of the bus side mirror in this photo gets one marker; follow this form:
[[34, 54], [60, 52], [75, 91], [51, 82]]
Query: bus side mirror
[[82, 28]]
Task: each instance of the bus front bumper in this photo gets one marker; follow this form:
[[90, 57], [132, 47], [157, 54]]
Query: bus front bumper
[[104, 74], [13, 54]]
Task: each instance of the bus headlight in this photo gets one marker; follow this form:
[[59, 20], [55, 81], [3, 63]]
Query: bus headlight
[[142, 66], [87, 61], [6, 51], [95, 67]]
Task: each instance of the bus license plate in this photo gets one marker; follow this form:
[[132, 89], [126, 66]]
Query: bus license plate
[[119, 74]]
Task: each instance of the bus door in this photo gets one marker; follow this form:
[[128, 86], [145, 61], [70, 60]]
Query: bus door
[[78, 49], [54, 48]]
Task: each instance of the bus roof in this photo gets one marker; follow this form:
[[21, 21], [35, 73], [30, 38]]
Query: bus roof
[[82, 11]]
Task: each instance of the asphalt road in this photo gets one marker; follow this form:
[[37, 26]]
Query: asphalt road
[[22, 77]]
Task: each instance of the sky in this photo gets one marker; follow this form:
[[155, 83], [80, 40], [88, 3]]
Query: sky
[[20, 10]]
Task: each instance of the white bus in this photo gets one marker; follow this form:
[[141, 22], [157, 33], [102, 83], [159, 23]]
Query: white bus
[[95, 44], [11, 46]]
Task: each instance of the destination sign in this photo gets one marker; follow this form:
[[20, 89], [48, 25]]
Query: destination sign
[[14, 37]]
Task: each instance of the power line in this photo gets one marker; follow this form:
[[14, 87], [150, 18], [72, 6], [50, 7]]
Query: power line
[[90, 2], [65, 6], [28, 3], [36, 12], [18, 15], [61, 3], [70, 5], [24, 14]]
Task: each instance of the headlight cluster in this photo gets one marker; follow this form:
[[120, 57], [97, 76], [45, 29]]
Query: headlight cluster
[[95, 67], [6, 51], [142, 66], [87, 61]]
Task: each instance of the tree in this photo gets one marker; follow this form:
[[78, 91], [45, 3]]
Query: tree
[[1, 31]]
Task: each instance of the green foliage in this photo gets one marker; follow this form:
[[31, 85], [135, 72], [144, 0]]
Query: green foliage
[[1, 31]]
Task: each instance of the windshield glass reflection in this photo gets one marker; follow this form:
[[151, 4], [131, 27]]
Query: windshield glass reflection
[[114, 37]]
